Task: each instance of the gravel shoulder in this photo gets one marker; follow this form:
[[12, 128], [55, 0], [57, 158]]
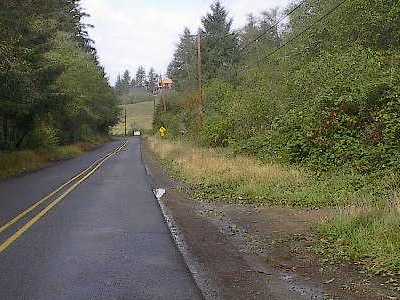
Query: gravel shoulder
[[249, 252]]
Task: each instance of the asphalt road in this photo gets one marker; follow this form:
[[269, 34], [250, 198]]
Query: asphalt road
[[106, 240]]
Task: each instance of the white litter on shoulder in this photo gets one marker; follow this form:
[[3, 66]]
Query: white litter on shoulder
[[159, 193]]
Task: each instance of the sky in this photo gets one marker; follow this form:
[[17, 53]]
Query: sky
[[130, 33]]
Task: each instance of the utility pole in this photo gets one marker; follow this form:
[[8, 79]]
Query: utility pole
[[125, 122], [199, 74], [162, 95]]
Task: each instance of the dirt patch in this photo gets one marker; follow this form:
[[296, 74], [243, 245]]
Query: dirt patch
[[282, 239], [249, 252]]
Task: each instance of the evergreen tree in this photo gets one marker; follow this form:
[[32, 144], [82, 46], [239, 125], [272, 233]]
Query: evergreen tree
[[31, 33], [118, 85], [126, 82], [141, 77], [220, 42], [25, 75], [182, 69], [152, 79], [133, 83]]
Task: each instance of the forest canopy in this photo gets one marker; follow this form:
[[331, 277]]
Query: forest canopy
[[52, 87]]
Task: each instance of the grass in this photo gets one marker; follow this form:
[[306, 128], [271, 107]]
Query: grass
[[21, 162], [366, 230], [139, 116], [136, 96], [210, 169], [222, 176], [370, 237]]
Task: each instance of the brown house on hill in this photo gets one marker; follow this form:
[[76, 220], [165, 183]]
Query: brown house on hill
[[166, 84]]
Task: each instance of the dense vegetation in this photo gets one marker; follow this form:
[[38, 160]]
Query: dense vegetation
[[318, 92], [52, 89], [328, 98]]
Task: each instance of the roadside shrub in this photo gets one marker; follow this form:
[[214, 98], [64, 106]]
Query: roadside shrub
[[170, 119], [219, 97], [354, 112], [43, 136], [338, 110], [216, 132], [347, 116]]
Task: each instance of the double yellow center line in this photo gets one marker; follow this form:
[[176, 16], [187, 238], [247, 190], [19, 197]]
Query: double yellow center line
[[68, 187]]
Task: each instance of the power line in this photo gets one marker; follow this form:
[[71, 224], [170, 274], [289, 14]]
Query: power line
[[273, 26], [235, 32], [332, 10]]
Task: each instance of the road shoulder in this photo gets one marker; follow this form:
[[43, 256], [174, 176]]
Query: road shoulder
[[248, 252], [223, 271]]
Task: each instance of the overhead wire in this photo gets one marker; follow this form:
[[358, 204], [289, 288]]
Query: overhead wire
[[327, 14], [266, 31]]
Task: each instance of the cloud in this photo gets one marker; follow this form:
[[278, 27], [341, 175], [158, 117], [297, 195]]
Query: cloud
[[129, 33]]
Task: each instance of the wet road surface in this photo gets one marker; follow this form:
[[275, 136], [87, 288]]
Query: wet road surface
[[105, 240]]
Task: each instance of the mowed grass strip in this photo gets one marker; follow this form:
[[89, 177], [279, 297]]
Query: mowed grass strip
[[364, 227]]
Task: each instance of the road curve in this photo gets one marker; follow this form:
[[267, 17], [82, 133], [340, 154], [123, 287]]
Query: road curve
[[105, 240]]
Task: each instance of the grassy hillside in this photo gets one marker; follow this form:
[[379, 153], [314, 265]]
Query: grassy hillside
[[139, 116], [135, 96]]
